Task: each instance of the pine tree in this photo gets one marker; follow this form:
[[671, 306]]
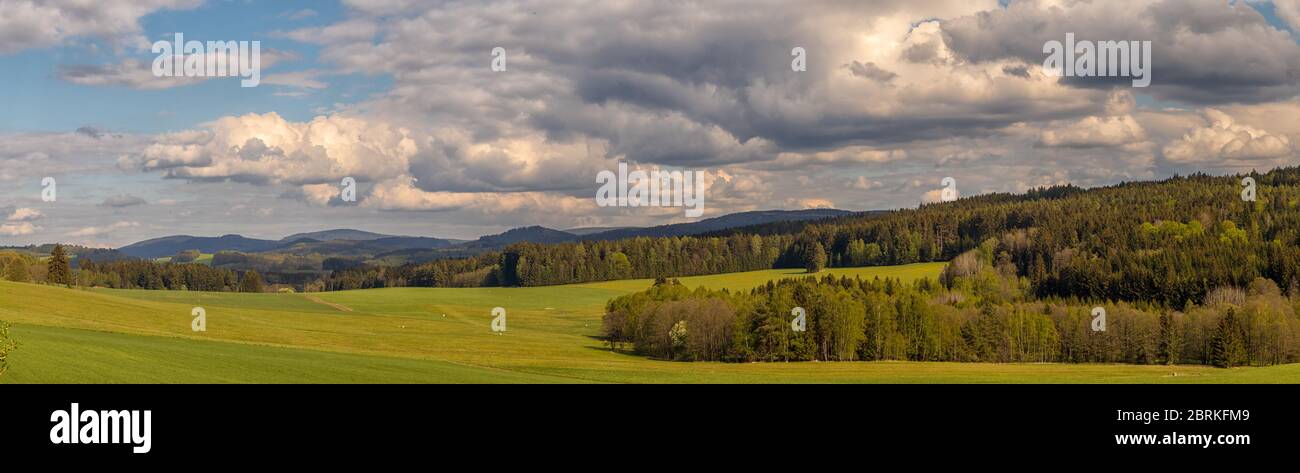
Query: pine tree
[[815, 258], [1164, 350], [1226, 350], [60, 271]]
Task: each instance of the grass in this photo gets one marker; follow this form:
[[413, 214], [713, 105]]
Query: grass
[[204, 258], [58, 355], [441, 335]]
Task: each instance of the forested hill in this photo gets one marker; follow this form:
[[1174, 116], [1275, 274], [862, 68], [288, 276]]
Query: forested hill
[[1168, 242]]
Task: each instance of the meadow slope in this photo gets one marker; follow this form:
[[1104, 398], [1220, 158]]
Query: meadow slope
[[416, 335]]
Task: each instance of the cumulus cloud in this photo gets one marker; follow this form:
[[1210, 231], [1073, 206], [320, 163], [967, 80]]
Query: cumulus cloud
[[268, 149], [842, 156], [1222, 141], [23, 214], [94, 232], [590, 72], [932, 196], [811, 203], [1288, 11], [864, 184], [26, 24], [1205, 51], [1094, 132], [18, 229], [538, 207]]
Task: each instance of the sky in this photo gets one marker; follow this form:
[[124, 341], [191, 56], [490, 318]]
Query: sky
[[402, 96]]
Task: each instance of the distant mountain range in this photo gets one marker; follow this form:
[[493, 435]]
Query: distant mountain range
[[358, 243], [725, 222], [328, 235], [170, 245]]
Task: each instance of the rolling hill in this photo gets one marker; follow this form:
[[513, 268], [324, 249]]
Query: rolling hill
[[337, 234], [411, 335], [352, 243], [168, 246], [725, 222]]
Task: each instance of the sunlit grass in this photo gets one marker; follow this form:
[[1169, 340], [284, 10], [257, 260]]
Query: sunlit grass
[[442, 335]]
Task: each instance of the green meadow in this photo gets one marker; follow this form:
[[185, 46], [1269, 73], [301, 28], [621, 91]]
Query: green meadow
[[204, 258], [421, 335]]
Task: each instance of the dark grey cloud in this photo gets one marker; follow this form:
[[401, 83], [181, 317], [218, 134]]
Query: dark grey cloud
[[122, 201], [1204, 51], [870, 71]]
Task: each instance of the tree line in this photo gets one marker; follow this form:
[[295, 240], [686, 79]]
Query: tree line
[[985, 313], [125, 274], [533, 264]]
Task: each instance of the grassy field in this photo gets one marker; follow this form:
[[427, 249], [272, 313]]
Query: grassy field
[[204, 258], [440, 335]]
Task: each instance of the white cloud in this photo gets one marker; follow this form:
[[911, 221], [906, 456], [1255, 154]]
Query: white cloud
[[1095, 131], [1289, 11], [864, 184], [18, 229], [23, 214], [93, 232], [811, 203], [1223, 141], [269, 149], [932, 196], [26, 24], [842, 156], [401, 195]]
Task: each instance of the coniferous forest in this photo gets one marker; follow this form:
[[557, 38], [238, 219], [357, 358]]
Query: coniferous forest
[[1169, 243]]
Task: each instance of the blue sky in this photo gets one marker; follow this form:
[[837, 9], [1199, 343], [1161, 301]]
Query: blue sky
[[37, 100]]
